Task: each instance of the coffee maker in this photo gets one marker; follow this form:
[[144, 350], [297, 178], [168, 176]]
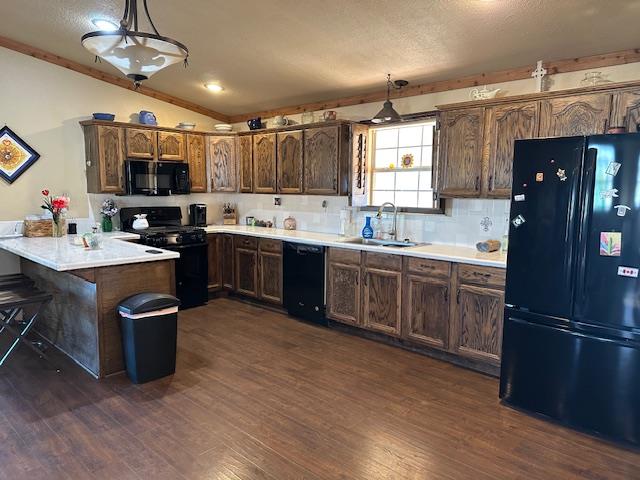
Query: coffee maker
[[198, 215]]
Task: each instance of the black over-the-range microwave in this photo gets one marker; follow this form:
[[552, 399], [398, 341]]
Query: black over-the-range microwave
[[157, 178]]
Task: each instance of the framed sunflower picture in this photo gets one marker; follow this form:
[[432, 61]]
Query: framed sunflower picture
[[16, 156]]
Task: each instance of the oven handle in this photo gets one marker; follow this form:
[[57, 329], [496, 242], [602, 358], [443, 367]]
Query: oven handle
[[182, 247]]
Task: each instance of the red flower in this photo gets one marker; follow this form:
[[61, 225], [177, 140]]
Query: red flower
[[60, 203], [45, 192]]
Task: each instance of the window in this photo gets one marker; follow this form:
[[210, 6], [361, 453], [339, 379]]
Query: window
[[402, 166]]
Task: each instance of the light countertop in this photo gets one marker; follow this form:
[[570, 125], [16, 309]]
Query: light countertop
[[58, 254], [433, 251]]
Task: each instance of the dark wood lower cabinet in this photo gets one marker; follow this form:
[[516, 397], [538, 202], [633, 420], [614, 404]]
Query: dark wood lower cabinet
[[478, 323], [227, 262], [343, 293], [246, 272], [382, 300], [270, 274], [426, 310], [214, 244]]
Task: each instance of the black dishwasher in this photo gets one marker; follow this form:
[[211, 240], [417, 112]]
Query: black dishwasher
[[303, 279]]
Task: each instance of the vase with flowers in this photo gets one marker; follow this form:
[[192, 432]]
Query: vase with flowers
[[108, 211], [58, 206]]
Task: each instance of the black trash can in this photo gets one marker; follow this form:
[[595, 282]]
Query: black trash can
[[149, 333]]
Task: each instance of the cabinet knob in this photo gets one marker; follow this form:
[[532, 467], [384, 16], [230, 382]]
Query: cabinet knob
[[477, 183]]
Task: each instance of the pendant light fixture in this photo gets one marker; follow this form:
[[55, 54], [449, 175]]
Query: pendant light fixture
[[388, 114], [135, 53]]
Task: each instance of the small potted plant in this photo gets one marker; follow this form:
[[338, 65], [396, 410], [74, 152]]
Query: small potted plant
[[108, 210], [58, 206]]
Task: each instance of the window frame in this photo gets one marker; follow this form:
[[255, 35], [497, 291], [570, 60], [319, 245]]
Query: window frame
[[437, 210]]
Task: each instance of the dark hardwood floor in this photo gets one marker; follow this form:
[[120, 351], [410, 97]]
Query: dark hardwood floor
[[258, 395]]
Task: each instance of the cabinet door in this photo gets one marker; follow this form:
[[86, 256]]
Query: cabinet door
[[264, 163], [505, 124], [141, 143], [246, 272], [223, 164], [270, 272], [214, 260], [382, 300], [110, 159], [626, 110], [460, 153], [343, 293], [196, 156], [426, 310], [575, 115], [478, 326], [227, 262], [171, 146], [321, 160], [245, 154], [289, 166]]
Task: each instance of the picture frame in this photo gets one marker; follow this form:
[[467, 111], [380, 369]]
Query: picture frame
[[16, 155]]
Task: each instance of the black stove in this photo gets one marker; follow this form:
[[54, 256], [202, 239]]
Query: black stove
[[163, 237], [166, 231]]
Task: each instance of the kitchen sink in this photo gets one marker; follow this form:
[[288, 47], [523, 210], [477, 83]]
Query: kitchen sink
[[384, 243]]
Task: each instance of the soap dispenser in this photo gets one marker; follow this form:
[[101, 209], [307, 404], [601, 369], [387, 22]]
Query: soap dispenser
[[367, 231]]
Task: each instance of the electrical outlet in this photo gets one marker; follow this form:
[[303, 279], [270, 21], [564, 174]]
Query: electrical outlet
[[277, 201]]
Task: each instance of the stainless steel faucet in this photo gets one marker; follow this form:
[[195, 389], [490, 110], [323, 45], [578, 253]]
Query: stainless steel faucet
[[394, 230]]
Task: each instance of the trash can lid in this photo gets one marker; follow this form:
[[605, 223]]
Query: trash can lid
[[147, 302]]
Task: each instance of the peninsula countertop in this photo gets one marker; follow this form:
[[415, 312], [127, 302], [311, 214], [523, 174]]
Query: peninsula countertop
[[451, 253], [58, 254]]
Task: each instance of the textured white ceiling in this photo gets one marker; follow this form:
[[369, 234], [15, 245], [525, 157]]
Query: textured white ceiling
[[274, 53]]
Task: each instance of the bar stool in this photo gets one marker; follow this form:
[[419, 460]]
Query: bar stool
[[17, 293]]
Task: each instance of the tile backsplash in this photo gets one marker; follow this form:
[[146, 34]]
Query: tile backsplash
[[465, 222]]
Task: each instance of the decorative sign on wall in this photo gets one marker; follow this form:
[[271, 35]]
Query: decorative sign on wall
[[16, 156]]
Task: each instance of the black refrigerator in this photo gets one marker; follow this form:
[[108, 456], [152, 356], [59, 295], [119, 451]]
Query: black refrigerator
[[571, 342]]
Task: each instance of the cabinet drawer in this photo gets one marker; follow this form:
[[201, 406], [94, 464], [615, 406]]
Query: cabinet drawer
[[268, 245], [477, 275], [247, 242], [343, 255], [383, 261], [435, 268]]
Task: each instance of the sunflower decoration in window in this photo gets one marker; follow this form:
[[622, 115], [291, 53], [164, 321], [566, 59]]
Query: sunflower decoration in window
[[407, 160]]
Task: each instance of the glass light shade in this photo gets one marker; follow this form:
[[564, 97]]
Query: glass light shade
[[136, 54], [387, 114]]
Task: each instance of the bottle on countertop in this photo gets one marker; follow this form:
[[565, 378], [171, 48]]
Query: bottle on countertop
[[367, 231]]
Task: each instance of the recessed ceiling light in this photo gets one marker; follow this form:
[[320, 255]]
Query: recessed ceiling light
[[214, 87], [106, 25]]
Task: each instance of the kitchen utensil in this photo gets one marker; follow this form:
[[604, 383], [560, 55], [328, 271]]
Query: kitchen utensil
[[280, 121], [109, 117], [330, 115], [147, 118], [255, 123], [140, 222], [222, 127], [186, 125]]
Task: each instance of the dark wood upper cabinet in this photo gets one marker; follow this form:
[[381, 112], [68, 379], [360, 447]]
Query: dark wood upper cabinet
[[503, 125], [479, 323], [289, 166], [321, 160], [197, 158], [141, 143], [214, 251], [222, 151], [264, 163], [227, 262], [575, 115], [104, 147], [245, 156], [171, 146], [625, 111], [426, 310], [460, 158]]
